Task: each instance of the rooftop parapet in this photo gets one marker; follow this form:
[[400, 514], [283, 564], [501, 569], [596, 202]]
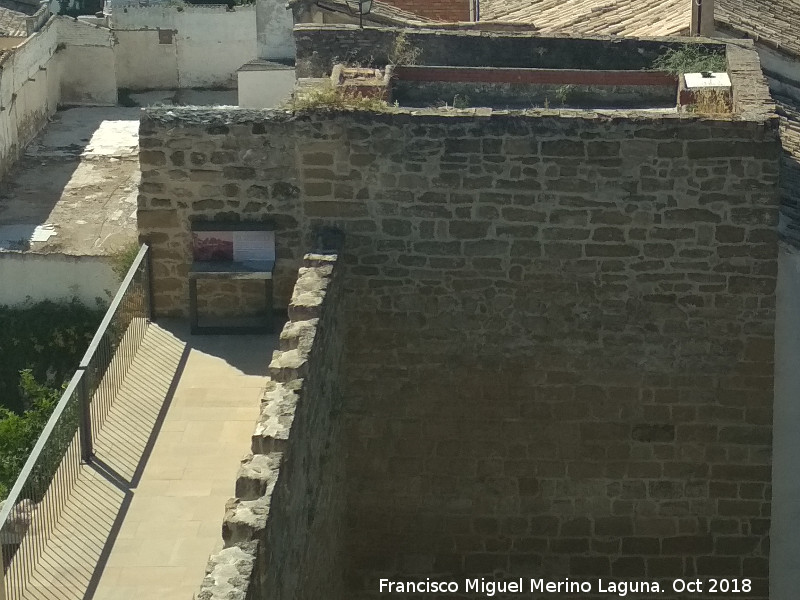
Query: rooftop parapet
[[527, 57]]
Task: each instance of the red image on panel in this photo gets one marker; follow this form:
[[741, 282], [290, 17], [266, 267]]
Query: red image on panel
[[216, 246]]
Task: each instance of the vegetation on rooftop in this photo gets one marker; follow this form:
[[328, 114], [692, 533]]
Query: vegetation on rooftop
[[711, 102], [332, 98], [403, 52], [690, 58]]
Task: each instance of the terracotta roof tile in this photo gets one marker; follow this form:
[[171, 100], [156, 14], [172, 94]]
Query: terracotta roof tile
[[776, 22], [12, 23], [594, 17]]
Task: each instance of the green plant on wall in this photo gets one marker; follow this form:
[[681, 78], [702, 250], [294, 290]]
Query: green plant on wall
[[123, 258], [329, 97], [460, 101], [690, 58], [563, 94], [403, 52]]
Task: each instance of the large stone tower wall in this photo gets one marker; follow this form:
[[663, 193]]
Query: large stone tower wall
[[559, 346]]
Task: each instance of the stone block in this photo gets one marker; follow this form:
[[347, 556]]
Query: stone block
[[612, 250], [157, 219], [563, 148], [245, 521], [257, 475], [229, 574], [154, 158], [468, 230]]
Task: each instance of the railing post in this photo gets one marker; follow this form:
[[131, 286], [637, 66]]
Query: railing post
[[87, 452], [148, 277], [3, 582]]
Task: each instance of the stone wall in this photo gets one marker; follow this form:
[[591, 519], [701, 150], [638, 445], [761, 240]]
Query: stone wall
[[319, 47], [283, 529], [559, 325], [526, 88]]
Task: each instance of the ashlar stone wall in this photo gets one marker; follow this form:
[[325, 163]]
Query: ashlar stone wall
[[559, 327]]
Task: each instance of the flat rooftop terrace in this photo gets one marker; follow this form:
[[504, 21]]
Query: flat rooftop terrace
[[74, 190]]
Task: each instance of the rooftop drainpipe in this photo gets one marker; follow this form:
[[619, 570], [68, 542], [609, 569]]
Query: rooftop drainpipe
[[702, 18]]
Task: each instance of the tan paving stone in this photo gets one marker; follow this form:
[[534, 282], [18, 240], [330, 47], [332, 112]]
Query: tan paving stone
[[169, 520]]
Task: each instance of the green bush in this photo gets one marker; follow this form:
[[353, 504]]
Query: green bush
[[122, 259], [19, 432], [41, 345], [47, 338]]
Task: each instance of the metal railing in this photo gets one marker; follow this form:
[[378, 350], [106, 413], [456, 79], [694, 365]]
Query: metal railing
[[113, 348], [36, 502]]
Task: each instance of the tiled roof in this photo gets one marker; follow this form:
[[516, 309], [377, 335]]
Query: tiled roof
[[789, 110], [18, 19], [382, 13], [25, 8], [12, 23], [594, 17], [776, 22]]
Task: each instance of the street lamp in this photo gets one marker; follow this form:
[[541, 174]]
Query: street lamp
[[362, 6]]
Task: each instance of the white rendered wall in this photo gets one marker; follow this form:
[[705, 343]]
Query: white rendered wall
[[29, 92], [274, 24], [265, 89], [211, 46], [87, 64], [784, 563], [27, 276], [208, 44], [144, 64]]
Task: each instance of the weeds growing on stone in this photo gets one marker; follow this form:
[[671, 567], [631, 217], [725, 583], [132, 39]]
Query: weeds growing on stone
[[402, 52], [712, 102], [690, 58], [329, 97]]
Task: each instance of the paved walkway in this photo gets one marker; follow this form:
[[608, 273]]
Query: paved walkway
[[149, 513]]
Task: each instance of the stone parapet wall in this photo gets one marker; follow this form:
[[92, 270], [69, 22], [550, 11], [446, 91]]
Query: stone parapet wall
[[283, 530], [319, 47]]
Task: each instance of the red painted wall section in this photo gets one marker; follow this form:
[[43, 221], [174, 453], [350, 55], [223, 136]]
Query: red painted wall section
[[440, 10]]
